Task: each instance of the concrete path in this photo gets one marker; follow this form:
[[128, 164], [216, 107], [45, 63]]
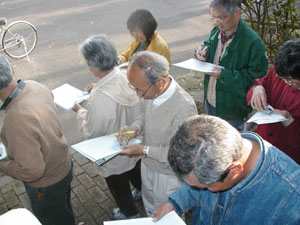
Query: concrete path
[[62, 25]]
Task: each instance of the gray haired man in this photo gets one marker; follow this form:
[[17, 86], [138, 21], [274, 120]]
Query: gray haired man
[[241, 53], [165, 105], [38, 153], [231, 178]]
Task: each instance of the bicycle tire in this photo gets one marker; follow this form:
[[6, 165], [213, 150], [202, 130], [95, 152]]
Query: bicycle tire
[[19, 39]]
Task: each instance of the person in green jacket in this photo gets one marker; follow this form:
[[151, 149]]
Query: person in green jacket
[[241, 53]]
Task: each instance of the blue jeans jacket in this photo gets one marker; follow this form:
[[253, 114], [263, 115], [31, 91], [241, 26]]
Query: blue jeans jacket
[[269, 195]]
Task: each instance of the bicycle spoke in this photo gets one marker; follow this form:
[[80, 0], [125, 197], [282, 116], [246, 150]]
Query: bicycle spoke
[[19, 39]]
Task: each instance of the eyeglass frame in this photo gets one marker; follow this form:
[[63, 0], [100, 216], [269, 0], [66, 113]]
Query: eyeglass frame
[[137, 90], [214, 20]]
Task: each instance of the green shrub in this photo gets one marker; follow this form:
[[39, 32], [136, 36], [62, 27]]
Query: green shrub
[[274, 20]]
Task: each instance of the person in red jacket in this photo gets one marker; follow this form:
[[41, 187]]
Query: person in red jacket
[[280, 88]]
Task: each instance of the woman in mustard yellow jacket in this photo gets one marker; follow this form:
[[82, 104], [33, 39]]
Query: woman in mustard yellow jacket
[[142, 26]]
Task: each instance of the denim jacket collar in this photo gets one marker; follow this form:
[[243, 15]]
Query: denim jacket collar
[[259, 169]]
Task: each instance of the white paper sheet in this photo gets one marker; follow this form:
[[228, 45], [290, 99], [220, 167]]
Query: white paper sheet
[[264, 118], [101, 149], [66, 95], [169, 219], [3, 153], [18, 216], [125, 64], [194, 64]]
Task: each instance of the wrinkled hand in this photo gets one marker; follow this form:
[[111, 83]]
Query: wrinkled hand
[[259, 98], [216, 74], [201, 53], [127, 137], [89, 87], [132, 150], [162, 210]]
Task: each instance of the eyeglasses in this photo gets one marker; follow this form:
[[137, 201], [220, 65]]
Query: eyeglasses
[[220, 19], [139, 91]]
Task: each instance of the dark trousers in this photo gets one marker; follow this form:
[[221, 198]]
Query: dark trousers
[[119, 187], [52, 204]]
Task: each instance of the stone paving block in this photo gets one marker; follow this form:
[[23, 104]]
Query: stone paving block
[[86, 181], [19, 205], [78, 208], [94, 208], [72, 195], [77, 169], [90, 169], [18, 187], [3, 208], [87, 219], [81, 193], [6, 188], [108, 205], [100, 181], [1, 199], [108, 194], [11, 199], [25, 200], [98, 194], [5, 180], [103, 218], [75, 182], [80, 158]]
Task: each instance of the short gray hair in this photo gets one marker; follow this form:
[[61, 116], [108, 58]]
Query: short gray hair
[[205, 145], [6, 73], [228, 6], [99, 52], [154, 65]]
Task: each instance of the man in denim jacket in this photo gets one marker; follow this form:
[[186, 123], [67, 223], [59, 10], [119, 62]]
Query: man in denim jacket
[[231, 178]]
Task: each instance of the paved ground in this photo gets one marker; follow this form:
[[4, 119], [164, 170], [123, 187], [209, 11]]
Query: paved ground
[[62, 25]]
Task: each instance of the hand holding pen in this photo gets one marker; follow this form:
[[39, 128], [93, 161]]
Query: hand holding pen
[[89, 87], [126, 133], [201, 53]]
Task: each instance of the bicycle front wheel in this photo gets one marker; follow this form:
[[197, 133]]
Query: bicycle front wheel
[[19, 39]]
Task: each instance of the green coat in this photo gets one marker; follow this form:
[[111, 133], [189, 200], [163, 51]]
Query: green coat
[[244, 60]]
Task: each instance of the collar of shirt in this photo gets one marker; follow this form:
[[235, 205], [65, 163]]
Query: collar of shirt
[[166, 95], [13, 94]]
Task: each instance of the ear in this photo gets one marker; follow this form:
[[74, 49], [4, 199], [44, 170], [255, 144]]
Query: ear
[[236, 167], [239, 12], [162, 82]]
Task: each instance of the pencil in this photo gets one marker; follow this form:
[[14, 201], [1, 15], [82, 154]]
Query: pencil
[[125, 132]]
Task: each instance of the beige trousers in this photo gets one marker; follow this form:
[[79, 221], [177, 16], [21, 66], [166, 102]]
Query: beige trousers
[[156, 187]]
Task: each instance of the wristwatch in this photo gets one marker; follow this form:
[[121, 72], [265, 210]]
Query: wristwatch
[[145, 151]]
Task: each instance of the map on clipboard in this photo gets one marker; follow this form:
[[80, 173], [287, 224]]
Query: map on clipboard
[[101, 149], [66, 95], [195, 64]]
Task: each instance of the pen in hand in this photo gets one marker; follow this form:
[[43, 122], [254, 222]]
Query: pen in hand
[[203, 51], [124, 133]]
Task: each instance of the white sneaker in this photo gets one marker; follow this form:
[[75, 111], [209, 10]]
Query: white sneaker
[[136, 194], [118, 215]]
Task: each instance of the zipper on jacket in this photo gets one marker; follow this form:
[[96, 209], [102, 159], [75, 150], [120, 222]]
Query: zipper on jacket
[[215, 210], [225, 209]]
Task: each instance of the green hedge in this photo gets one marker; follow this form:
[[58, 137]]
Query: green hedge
[[274, 20]]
